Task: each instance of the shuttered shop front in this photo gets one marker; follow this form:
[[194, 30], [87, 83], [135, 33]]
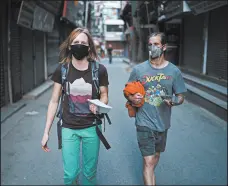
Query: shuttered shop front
[[27, 59], [2, 67], [39, 57], [52, 50], [217, 43], [15, 56], [193, 43], [3, 54]]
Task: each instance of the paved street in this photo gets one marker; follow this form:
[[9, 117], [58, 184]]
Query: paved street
[[196, 149]]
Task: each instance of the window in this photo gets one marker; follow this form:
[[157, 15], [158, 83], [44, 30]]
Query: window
[[114, 28]]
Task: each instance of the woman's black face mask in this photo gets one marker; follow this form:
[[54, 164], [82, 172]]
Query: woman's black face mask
[[79, 51]]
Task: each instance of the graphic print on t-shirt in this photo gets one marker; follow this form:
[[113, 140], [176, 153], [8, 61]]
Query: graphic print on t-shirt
[[80, 92], [154, 88]]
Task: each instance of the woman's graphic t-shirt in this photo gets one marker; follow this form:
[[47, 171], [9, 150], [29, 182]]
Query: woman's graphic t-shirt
[[76, 112]]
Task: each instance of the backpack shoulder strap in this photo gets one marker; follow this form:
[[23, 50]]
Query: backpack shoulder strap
[[64, 72], [95, 75]]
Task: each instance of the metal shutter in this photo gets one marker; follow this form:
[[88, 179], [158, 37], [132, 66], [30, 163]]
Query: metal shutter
[[39, 57], [193, 43], [217, 43], [52, 50], [2, 75], [3, 55], [15, 54], [27, 59]]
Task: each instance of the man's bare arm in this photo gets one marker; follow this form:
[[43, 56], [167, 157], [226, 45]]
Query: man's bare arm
[[179, 99]]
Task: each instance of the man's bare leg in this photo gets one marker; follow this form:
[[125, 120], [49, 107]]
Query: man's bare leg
[[149, 166]]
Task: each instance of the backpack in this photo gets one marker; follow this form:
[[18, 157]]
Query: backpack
[[95, 80]]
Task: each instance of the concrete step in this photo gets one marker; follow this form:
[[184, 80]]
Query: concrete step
[[10, 109], [207, 86], [211, 103], [35, 93]]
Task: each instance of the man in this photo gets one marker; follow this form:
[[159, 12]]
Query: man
[[164, 86], [110, 53]]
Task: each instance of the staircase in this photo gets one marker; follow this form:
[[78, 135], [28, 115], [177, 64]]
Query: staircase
[[211, 96]]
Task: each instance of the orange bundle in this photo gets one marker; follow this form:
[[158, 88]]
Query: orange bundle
[[131, 89]]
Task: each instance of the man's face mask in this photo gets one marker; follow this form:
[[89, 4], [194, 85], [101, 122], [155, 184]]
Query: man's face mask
[[155, 51], [79, 51]]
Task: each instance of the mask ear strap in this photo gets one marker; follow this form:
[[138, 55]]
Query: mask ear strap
[[163, 47]]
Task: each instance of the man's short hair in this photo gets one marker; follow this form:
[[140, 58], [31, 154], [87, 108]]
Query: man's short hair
[[161, 35]]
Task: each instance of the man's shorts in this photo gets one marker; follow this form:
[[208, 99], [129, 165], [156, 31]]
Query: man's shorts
[[150, 141]]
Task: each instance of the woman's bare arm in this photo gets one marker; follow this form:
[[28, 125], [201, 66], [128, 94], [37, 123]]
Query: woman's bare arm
[[104, 94], [52, 107]]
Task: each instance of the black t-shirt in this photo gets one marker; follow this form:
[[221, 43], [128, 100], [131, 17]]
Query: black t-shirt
[[76, 112], [109, 51]]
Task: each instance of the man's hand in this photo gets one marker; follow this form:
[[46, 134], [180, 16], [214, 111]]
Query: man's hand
[[135, 98], [93, 108], [168, 102], [178, 99]]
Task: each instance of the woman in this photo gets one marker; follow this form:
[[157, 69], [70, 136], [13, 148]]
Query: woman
[[78, 116]]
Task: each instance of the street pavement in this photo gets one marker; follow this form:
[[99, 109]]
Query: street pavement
[[196, 152]]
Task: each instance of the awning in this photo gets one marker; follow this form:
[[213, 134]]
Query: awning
[[199, 7], [73, 12], [174, 9], [51, 6], [43, 20], [33, 16]]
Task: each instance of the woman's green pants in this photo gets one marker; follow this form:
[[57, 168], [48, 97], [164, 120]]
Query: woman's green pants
[[71, 140]]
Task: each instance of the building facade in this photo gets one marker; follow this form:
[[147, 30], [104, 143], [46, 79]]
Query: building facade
[[30, 43], [196, 42], [107, 27], [178, 20], [199, 31]]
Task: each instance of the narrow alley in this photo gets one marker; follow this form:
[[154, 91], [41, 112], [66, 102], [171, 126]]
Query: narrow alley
[[196, 150]]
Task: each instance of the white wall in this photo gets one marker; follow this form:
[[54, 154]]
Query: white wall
[[112, 4]]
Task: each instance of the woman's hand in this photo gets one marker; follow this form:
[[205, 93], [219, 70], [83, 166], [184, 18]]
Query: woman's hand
[[44, 142], [93, 108]]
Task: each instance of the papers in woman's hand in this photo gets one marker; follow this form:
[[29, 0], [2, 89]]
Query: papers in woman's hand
[[102, 108]]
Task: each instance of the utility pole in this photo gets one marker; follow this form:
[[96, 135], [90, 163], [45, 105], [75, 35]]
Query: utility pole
[[120, 5], [86, 14], [148, 20]]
